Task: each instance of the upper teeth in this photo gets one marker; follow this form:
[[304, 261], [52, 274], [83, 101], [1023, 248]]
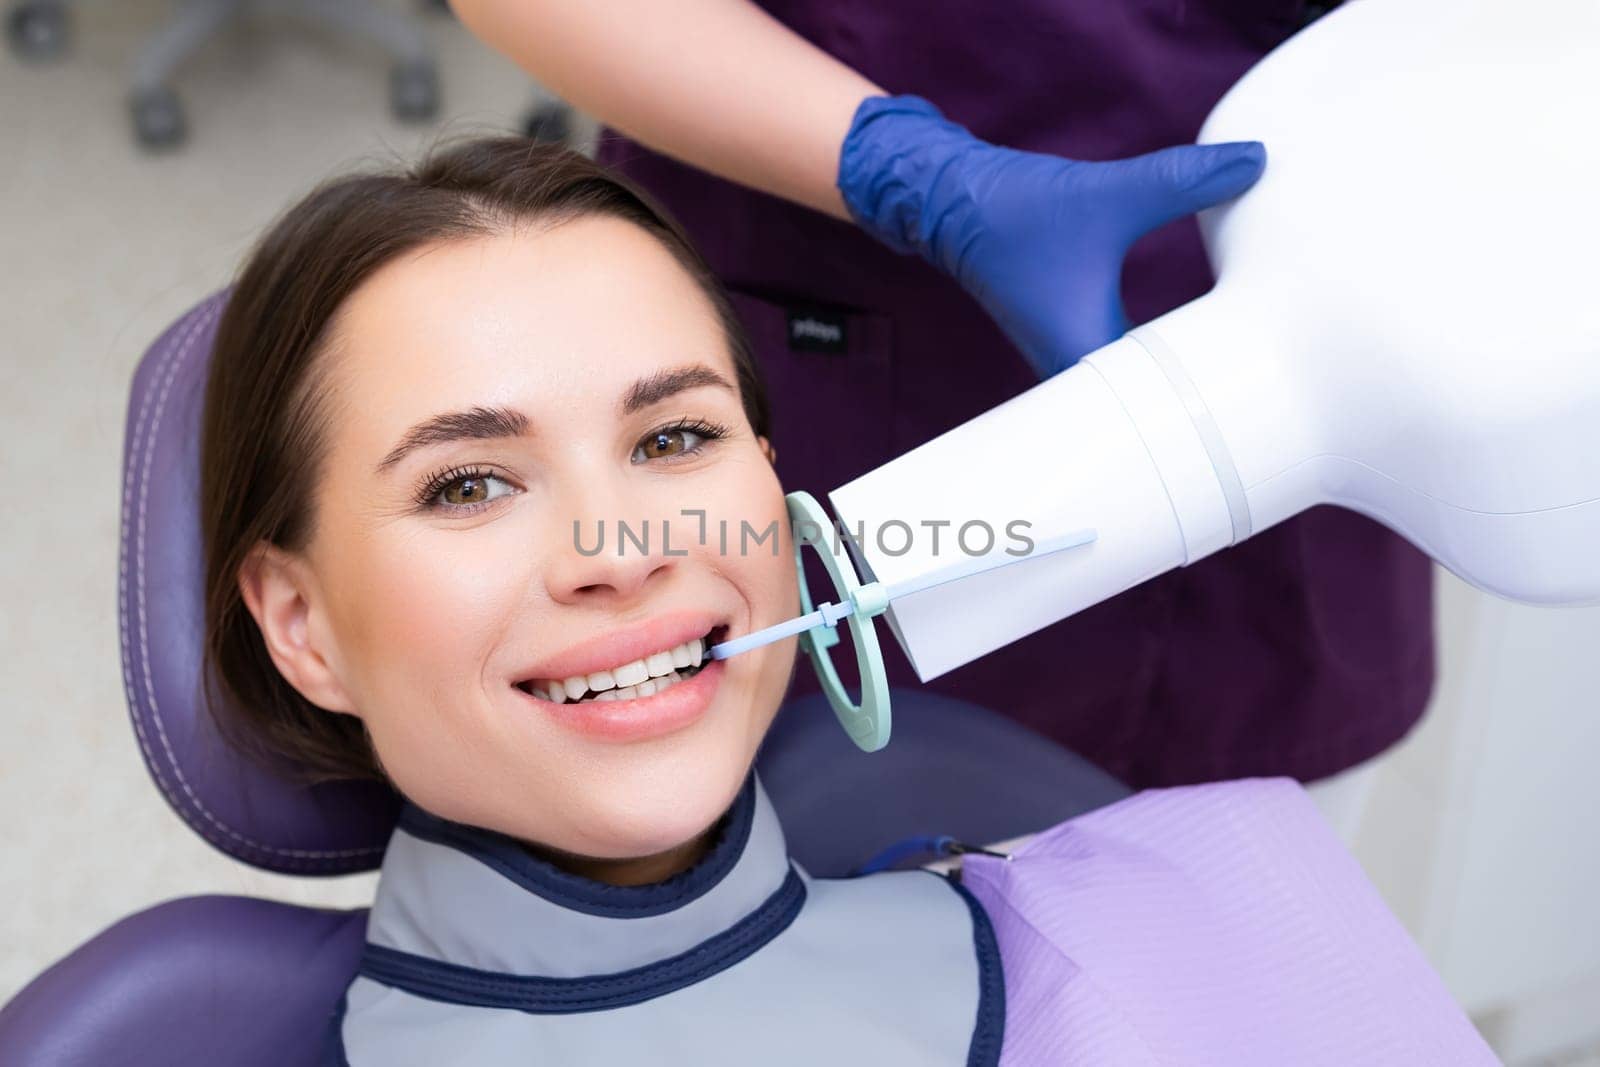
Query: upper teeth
[[635, 678]]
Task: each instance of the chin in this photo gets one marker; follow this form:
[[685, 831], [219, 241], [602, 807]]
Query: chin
[[651, 818]]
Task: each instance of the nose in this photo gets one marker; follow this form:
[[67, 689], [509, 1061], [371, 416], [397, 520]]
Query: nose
[[607, 560]]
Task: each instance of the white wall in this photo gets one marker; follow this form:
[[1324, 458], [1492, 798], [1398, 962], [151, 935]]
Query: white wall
[[1484, 831]]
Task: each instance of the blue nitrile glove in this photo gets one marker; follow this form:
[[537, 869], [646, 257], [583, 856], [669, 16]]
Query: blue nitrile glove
[[1038, 240]]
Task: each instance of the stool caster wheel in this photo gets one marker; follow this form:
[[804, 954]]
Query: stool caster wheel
[[158, 118], [37, 30], [414, 91], [550, 122]]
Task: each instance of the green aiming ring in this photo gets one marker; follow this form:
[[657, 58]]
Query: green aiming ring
[[867, 723]]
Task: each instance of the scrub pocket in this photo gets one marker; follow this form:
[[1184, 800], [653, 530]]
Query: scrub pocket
[[829, 373]]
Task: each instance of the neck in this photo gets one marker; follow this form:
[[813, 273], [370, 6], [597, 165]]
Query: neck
[[634, 870]]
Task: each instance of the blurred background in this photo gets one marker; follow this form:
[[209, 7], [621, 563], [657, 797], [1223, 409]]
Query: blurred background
[[131, 185]]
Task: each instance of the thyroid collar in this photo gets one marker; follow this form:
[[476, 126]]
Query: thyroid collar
[[480, 952]]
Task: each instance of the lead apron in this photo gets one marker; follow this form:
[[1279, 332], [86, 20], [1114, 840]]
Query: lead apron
[[478, 952]]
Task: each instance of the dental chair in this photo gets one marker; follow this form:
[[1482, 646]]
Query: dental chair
[[229, 980]]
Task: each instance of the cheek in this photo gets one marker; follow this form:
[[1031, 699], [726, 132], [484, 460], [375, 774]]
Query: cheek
[[759, 554], [427, 610], [764, 575]]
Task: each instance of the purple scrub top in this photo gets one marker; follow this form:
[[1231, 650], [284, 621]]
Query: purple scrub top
[[1301, 652]]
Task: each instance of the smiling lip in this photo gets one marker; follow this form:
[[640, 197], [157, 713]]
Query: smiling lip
[[642, 717], [606, 651]]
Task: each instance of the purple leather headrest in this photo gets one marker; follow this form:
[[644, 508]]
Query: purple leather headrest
[[247, 811]]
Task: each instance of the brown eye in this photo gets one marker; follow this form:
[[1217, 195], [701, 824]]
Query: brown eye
[[467, 491], [678, 441], [664, 443]]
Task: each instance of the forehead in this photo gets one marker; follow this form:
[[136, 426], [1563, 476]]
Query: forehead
[[535, 317]]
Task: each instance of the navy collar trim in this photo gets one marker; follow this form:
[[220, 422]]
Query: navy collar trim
[[510, 858], [989, 1035], [455, 984]]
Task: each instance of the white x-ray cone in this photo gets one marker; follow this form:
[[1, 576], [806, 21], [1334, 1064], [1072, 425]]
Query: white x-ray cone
[[1406, 323]]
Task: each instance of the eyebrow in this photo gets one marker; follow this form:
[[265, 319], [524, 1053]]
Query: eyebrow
[[490, 423], [663, 384]]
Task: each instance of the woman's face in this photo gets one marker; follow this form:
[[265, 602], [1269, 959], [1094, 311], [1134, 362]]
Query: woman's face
[[496, 406]]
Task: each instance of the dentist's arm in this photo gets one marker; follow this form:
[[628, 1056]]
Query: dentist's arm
[[719, 84], [1037, 239]]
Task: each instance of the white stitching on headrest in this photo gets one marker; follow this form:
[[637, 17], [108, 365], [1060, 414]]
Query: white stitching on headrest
[[198, 322]]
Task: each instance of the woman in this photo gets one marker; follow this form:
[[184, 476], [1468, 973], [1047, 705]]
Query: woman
[[765, 127], [424, 388]]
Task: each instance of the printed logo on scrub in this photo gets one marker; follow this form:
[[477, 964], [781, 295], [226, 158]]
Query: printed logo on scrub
[[814, 330]]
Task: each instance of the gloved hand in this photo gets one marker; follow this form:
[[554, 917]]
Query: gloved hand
[[1039, 240]]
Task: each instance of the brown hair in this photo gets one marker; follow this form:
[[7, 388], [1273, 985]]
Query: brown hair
[[261, 435]]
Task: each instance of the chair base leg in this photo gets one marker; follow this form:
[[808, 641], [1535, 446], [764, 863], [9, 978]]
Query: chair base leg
[[158, 115], [197, 22], [413, 78]]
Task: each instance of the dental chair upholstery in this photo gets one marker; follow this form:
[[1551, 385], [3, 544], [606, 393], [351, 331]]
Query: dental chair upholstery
[[251, 983]]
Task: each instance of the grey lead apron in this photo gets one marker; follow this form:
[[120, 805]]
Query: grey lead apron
[[480, 953]]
